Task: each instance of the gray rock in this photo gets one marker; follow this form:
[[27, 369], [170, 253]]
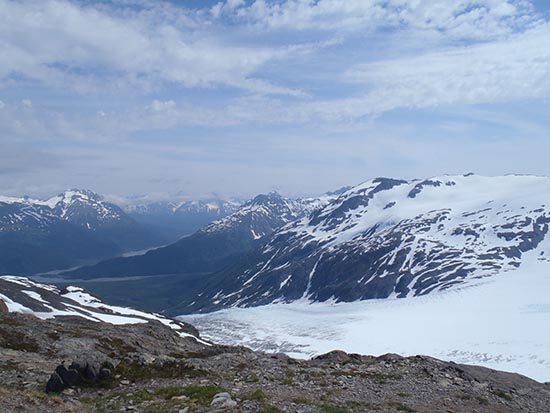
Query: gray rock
[[221, 402]]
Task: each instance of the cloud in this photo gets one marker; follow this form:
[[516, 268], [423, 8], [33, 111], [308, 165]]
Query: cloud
[[513, 69], [471, 19], [88, 46]]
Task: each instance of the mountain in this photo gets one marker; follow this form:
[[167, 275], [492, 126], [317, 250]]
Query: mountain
[[98, 357], [215, 246], [175, 219], [63, 231], [46, 301], [391, 238]]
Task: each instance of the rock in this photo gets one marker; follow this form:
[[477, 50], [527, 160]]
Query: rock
[[184, 410], [336, 356], [71, 377], [125, 382], [221, 402], [182, 397], [3, 307], [79, 365], [104, 373], [91, 372], [55, 384]]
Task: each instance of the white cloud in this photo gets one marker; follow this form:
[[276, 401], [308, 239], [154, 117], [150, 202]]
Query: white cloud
[[513, 69], [158, 106], [461, 19], [59, 42], [2, 105], [27, 103]]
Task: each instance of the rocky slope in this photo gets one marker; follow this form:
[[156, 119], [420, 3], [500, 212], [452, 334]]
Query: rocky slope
[[215, 246], [62, 231], [153, 367], [392, 238]]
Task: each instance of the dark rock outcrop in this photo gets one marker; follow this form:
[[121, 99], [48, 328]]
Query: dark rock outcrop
[[3, 307]]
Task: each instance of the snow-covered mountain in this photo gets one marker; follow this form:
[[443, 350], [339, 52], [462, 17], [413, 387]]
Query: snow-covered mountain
[[393, 238], [175, 219], [219, 207], [40, 235], [216, 245], [265, 213], [77, 206], [45, 301]]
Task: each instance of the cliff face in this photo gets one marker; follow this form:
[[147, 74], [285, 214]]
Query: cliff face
[[156, 369]]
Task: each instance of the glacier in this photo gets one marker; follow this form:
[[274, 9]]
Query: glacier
[[499, 322]]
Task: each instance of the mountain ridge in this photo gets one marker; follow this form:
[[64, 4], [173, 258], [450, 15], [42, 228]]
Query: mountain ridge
[[392, 238], [64, 230]]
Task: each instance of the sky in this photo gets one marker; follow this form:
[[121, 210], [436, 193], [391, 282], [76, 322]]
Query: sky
[[238, 97]]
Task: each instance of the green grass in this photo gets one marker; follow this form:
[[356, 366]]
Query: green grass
[[268, 408], [503, 395], [482, 400], [201, 394], [172, 370], [330, 408], [402, 407], [255, 395]]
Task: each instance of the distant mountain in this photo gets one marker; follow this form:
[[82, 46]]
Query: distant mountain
[[175, 219], [214, 246], [391, 238], [63, 231]]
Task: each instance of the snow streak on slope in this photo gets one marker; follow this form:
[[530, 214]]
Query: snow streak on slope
[[392, 238], [499, 322], [45, 301]]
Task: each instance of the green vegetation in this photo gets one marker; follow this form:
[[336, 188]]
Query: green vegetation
[[329, 408], [503, 395], [268, 408], [255, 395], [354, 405], [402, 407], [483, 401], [138, 372], [201, 394]]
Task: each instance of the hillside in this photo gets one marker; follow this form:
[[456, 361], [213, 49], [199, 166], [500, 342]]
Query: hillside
[[146, 363]]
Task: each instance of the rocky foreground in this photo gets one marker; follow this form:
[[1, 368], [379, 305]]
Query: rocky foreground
[[149, 367]]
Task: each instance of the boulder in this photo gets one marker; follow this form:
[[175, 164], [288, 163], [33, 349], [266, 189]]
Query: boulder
[[79, 373], [71, 377], [3, 307], [222, 402], [55, 384]]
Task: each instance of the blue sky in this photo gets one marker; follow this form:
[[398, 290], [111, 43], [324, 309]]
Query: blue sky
[[240, 97]]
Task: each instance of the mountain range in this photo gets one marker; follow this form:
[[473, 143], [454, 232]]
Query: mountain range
[[216, 245], [175, 219], [71, 228], [393, 238], [382, 238]]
